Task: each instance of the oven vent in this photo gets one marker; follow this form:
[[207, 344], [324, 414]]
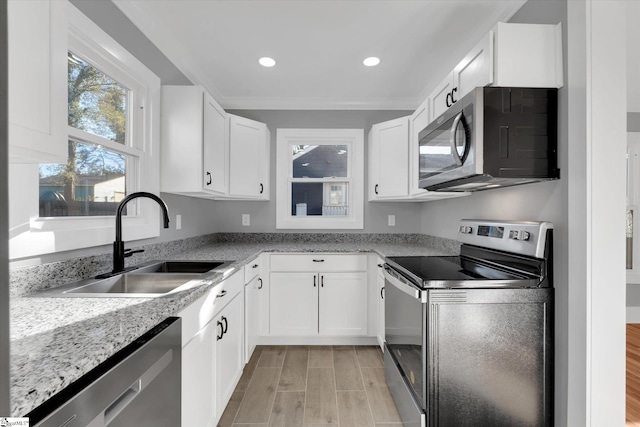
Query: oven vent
[[448, 297]]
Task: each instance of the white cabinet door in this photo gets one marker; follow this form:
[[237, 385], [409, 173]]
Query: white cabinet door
[[293, 304], [198, 399], [251, 315], [442, 97], [389, 164], [380, 296], [528, 55], [249, 158], [343, 304], [215, 136], [37, 84], [229, 351], [476, 69]]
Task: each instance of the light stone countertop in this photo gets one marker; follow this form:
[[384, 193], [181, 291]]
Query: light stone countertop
[[54, 341]]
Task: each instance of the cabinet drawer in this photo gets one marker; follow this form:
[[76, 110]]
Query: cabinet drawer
[[319, 262], [198, 314], [251, 270]]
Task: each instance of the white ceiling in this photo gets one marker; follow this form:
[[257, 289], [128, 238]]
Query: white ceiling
[[319, 46]]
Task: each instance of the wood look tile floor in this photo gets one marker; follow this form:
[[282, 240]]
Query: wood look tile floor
[[633, 376], [315, 386]]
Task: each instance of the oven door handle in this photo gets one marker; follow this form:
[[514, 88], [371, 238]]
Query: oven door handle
[[391, 276]]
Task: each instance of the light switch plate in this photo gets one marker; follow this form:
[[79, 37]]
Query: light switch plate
[[178, 222], [392, 220], [246, 220]]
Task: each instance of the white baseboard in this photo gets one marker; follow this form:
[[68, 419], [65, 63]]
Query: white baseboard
[[268, 340]]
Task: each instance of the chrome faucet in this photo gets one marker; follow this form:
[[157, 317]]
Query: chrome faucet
[[119, 253]]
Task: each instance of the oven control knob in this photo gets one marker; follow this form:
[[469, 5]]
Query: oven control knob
[[465, 229], [519, 235]]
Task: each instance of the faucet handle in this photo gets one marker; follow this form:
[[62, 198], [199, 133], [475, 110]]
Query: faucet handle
[[129, 252]]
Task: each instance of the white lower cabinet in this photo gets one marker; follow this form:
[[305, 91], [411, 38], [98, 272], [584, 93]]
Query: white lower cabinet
[[251, 315], [380, 298], [331, 304], [212, 351], [293, 304], [229, 347], [198, 407], [331, 301], [342, 305]]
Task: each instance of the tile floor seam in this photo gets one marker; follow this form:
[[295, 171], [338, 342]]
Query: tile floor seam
[[335, 384], [364, 389], [306, 385], [273, 404], [244, 394]]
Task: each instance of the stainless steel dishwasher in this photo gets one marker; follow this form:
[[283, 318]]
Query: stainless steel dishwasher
[[138, 386]]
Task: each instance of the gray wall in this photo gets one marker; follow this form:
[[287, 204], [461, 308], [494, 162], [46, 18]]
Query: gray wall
[[263, 214], [541, 201], [633, 122]]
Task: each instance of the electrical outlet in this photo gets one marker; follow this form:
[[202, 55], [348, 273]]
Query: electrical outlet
[[178, 222], [392, 220], [246, 220]]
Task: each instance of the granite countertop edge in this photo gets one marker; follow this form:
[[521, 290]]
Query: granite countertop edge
[[54, 341]]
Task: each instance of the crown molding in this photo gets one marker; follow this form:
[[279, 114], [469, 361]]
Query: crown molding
[[291, 103]]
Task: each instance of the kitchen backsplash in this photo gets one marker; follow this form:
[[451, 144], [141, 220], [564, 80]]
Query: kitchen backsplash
[[27, 280]]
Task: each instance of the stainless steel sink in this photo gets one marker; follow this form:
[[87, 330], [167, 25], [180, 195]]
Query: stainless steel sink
[[182, 266], [134, 283], [151, 279]]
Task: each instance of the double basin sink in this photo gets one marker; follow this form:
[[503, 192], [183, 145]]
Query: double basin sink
[[151, 279]]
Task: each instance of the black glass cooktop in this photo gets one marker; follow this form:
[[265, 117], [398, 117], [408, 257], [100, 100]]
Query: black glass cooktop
[[434, 267]]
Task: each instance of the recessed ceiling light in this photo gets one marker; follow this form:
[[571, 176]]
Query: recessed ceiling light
[[267, 62], [371, 61]]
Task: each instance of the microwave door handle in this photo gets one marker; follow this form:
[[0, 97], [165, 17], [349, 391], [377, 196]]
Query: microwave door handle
[[454, 133]]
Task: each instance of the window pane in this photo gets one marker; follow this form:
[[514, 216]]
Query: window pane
[[320, 161], [92, 183], [319, 199], [97, 103]]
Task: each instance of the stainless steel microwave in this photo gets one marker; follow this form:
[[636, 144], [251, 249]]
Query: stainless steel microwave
[[493, 137]]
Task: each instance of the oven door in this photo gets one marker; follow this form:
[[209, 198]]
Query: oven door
[[405, 327]]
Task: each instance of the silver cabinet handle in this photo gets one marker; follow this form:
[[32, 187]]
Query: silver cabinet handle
[[255, 266], [260, 285], [221, 294], [318, 260]]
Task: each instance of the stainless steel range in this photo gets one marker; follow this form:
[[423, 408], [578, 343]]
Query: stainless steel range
[[469, 338]]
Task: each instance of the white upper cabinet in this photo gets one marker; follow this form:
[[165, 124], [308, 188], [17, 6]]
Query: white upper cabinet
[[476, 69], [516, 55], [194, 135], [441, 97], [214, 149], [512, 55], [389, 159], [37, 55], [209, 153], [528, 55], [249, 158]]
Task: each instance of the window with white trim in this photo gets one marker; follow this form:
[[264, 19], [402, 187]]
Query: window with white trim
[[113, 134], [320, 181]]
